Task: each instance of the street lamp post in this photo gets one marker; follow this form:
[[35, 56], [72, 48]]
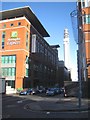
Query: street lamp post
[[77, 16]]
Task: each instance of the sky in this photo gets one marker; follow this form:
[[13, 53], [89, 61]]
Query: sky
[[55, 17]]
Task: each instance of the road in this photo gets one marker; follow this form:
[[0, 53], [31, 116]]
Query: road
[[15, 106]]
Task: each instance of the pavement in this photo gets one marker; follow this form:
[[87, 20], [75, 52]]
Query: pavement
[[59, 105]]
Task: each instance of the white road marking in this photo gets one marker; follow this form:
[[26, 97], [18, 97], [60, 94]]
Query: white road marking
[[47, 113], [22, 100], [11, 106], [19, 101]]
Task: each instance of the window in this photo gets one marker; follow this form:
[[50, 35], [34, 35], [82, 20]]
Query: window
[[26, 35], [9, 59], [27, 40], [6, 59], [13, 71], [3, 35], [87, 19], [11, 24], [2, 72], [26, 60], [83, 4], [3, 39], [13, 59], [2, 45], [26, 72], [37, 46], [11, 83], [8, 72], [3, 61], [19, 23]]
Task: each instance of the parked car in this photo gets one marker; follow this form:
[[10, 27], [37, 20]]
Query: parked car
[[57, 90], [30, 90], [34, 91], [62, 90], [50, 92], [41, 90], [25, 91]]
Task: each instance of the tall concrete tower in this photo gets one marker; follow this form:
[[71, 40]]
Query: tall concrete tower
[[66, 49]]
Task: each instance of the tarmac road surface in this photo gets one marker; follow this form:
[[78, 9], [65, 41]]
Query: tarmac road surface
[[32, 106]]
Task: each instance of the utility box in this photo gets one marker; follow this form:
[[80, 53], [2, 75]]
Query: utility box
[[2, 85]]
